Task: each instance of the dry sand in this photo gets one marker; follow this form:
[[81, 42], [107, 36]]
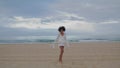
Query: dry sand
[[78, 55]]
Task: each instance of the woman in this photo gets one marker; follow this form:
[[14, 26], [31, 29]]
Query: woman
[[61, 41]]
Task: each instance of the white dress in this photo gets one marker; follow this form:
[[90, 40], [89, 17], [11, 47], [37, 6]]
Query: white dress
[[61, 40]]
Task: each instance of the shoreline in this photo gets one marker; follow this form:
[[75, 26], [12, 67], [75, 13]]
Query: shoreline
[[69, 42]]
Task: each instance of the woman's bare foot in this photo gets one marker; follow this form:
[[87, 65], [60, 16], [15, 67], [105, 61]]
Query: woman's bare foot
[[60, 61]]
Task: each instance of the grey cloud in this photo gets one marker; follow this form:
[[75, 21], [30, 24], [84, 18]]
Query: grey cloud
[[94, 10], [6, 32], [27, 8]]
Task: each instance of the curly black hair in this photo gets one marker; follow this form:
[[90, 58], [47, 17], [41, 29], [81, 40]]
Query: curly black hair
[[61, 28]]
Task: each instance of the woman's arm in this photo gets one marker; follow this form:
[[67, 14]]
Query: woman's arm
[[56, 41], [67, 43]]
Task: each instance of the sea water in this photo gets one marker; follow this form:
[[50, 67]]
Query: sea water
[[50, 39]]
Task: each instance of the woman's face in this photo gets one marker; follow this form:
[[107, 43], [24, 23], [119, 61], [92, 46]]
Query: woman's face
[[61, 31]]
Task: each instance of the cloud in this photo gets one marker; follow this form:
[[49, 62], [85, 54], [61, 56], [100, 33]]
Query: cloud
[[110, 22], [96, 17], [69, 20], [93, 10], [26, 8], [74, 23]]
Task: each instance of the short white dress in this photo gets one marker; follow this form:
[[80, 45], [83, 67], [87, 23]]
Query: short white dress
[[61, 40]]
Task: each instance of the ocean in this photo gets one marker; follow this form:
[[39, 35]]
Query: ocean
[[50, 39]]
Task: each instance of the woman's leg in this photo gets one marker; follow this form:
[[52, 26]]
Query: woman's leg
[[61, 53]]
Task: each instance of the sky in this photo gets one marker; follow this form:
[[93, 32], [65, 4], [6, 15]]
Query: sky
[[43, 17]]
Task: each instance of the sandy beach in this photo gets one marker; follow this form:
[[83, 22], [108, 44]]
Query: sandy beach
[[78, 55]]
